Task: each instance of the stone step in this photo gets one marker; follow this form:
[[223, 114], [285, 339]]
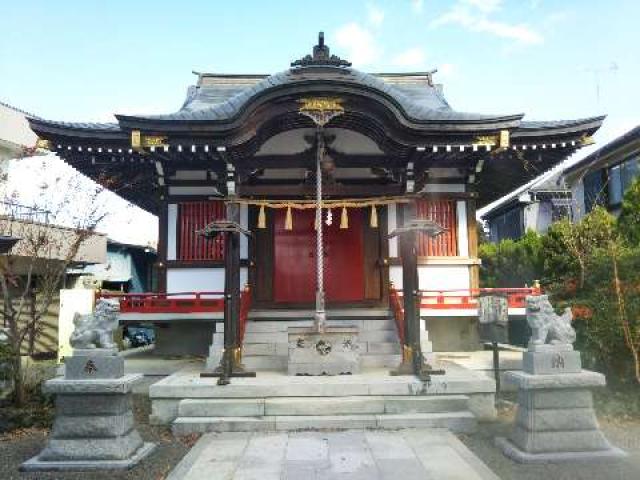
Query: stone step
[[457, 422], [386, 361], [379, 348], [265, 362], [221, 407], [319, 406], [282, 326], [430, 404], [378, 336], [266, 337], [306, 315], [281, 349]]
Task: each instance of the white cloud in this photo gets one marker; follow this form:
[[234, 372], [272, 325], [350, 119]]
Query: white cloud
[[417, 5], [358, 43], [486, 6], [412, 57], [375, 15], [475, 16]]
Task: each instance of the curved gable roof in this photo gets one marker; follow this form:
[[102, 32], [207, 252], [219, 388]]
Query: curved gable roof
[[222, 98]]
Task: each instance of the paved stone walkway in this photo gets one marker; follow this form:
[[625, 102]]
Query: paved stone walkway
[[354, 455]]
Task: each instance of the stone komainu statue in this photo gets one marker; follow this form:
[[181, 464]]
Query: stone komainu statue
[[95, 330], [546, 325]]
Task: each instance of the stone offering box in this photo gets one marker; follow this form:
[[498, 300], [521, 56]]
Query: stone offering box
[[94, 428], [333, 352]]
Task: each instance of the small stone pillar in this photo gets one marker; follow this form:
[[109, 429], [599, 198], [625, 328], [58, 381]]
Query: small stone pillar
[[555, 420], [94, 427]]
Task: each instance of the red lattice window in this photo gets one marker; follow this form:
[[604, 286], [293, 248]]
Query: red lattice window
[[443, 212], [192, 217]]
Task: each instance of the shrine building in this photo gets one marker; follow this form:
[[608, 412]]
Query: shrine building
[[389, 149]]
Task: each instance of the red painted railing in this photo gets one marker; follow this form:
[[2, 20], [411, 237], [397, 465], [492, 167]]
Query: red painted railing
[[180, 302], [245, 306], [396, 305], [468, 299]]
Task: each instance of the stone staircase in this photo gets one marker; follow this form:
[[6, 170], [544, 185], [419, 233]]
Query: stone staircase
[[266, 344], [285, 413]]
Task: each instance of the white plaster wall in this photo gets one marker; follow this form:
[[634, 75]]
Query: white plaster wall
[[544, 217], [395, 276], [72, 301], [463, 232], [172, 229], [530, 213], [444, 188], [577, 195], [195, 280], [443, 277], [200, 279], [435, 277], [392, 215], [195, 190]]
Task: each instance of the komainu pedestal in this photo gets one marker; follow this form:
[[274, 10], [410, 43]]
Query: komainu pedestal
[[94, 428], [332, 352], [555, 421]]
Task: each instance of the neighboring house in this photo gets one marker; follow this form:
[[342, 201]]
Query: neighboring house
[[128, 268], [533, 206], [602, 177], [23, 226], [16, 138]]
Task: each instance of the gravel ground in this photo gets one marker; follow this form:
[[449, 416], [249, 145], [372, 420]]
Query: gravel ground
[[623, 435], [626, 435], [21, 446]]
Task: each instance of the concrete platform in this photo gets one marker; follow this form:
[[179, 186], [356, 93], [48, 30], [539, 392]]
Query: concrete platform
[[274, 401], [367, 455]]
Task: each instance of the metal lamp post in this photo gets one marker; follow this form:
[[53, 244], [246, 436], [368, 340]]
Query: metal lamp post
[[412, 358], [230, 365]]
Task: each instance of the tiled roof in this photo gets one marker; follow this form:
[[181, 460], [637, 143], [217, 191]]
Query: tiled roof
[[219, 98]]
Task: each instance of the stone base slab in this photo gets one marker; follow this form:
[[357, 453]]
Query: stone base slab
[[558, 441], [551, 362], [528, 381], [555, 399], [560, 419], [92, 449], [90, 367], [104, 386], [520, 456], [36, 464]]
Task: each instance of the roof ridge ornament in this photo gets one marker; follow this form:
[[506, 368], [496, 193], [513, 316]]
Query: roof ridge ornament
[[321, 56]]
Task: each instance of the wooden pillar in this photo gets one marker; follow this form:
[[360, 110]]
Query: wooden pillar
[[410, 287], [413, 362], [161, 264], [472, 234], [232, 278]]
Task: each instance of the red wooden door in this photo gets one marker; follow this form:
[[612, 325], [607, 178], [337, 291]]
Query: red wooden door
[[344, 269], [295, 262]]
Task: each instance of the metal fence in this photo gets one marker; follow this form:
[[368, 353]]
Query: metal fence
[[17, 211]]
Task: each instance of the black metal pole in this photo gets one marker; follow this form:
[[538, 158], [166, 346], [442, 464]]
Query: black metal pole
[[496, 366], [231, 298], [412, 357]]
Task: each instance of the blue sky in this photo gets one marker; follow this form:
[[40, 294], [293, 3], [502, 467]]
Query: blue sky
[[551, 59]]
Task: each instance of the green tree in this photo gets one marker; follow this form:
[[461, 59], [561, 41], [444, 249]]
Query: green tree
[[629, 220], [511, 263]]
